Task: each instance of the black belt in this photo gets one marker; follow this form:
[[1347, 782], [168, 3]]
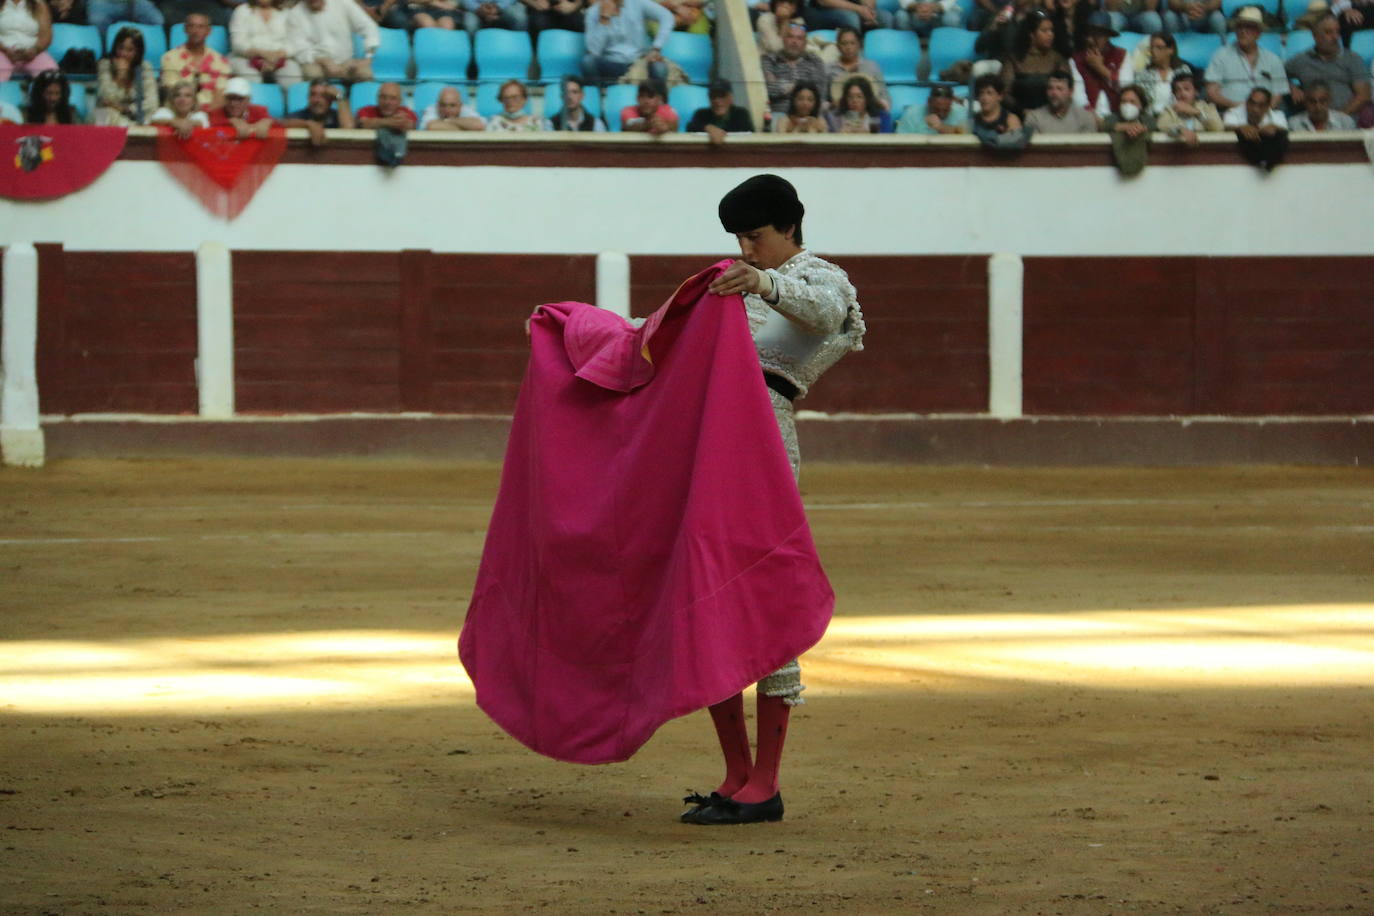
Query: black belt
[[781, 385]]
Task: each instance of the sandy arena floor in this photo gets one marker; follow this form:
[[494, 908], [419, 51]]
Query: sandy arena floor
[[229, 686]]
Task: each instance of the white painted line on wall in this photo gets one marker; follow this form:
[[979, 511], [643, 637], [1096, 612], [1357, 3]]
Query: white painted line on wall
[[215, 330], [613, 282], [21, 438], [1006, 274]]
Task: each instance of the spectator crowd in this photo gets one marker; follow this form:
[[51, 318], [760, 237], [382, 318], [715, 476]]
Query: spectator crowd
[[829, 66]]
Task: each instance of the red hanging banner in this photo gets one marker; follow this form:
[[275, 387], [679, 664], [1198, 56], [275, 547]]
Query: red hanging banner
[[219, 168], [43, 161]]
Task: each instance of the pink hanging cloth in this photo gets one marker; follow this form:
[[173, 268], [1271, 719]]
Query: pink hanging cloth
[[648, 554]]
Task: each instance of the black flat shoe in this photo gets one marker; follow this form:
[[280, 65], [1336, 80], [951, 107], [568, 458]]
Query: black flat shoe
[[700, 803], [729, 811]]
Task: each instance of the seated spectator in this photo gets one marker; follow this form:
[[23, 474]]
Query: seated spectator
[[998, 38], [859, 111], [853, 63], [1341, 70], [690, 15], [389, 14], [1071, 25], [923, 16], [1319, 115], [326, 108], [25, 36], [1059, 115], [789, 66], [1237, 68], [68, 12], [554, 14], [617, 37], [768, 29], [1261, 130], [512, 117], [322, 39], [494, 14], [722, 116], [992, 119], [181, 113], [1354, 16], [803, 115], [839, 14], [434, 14], [1026, 73], [651, 113], [1157, 77], [1195, 16], [1143, 16], [1187, 115], [126, 87], [388, 113], [450, 113], [50, 99], [941, 114], [573, 115], [247, 119], [1101, 68], [203, 66], [217, 12], [260, 44], [103, 13]]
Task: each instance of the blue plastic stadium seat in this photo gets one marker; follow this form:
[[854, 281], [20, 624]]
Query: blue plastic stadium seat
[[616, 98], [503, 54], [218, 40], [1272, 41], [11, 93], [1128, 41], [297, 96], [1297, 42], [692, 53], [1197, 48], [685, 100], [442, 54], [1362, 43], [362, 95], [1229, 7], [903, 97], [269, 96], [896, 52], [392, 61], [65, 37], [81, 102], [949, 45], [487, 98], [560, 54], [154, 40], [826, 35], [427, 94]]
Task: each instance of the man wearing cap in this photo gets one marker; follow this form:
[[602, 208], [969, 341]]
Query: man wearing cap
[[804, 316], [1101, 68], [1195, 16], [722, 116], [248, 121], [941, 114], [1340, 69], [791, 65], [1237, 68]]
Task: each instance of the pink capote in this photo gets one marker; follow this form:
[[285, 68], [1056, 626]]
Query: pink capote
[[648, 554]]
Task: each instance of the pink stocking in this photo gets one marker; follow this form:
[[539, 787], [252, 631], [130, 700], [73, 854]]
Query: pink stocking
[[763, 779], [728, 716]]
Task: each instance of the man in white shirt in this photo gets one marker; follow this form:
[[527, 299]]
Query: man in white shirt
[[322, 32], [450, 113], [1261, 130]]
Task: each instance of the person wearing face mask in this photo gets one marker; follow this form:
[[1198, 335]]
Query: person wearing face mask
[[1130, 130], [1187, 115]]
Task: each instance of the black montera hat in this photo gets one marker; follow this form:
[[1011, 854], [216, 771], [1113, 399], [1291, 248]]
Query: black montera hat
[[764, 200]]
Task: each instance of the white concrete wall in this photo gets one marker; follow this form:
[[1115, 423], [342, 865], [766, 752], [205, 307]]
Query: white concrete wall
[[1225, 210]]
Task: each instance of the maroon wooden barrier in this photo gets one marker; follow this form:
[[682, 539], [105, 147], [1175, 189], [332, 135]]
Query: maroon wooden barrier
[[926, 348], [1199, 336], [116, 332]]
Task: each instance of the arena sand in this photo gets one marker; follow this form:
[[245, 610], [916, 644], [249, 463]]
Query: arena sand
[[231, 686]]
